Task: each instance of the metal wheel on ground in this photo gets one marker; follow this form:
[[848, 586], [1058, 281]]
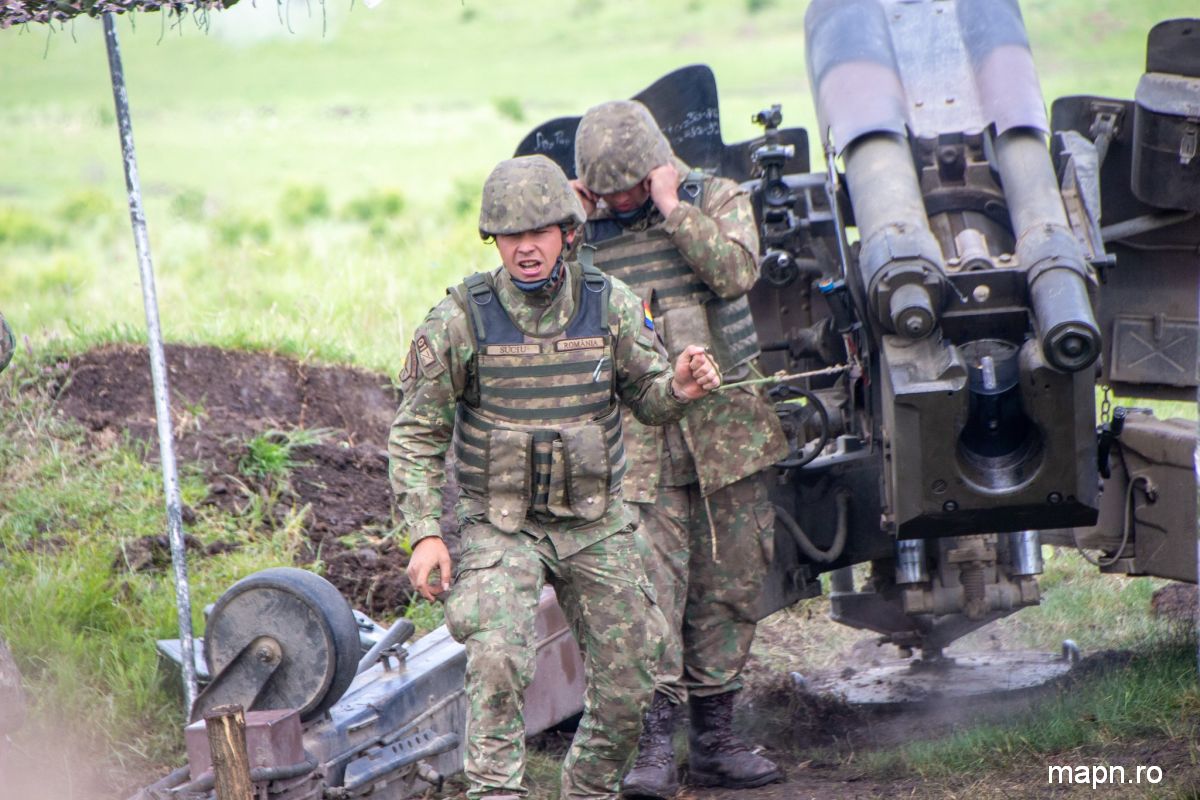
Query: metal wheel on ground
[[298, 618]]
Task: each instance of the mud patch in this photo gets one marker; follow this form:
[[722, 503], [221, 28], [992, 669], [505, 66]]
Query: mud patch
[[220, 400], [788, 715]]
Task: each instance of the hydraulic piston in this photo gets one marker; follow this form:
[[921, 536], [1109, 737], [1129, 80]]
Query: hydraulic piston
[[901, 261], [1056, 274]]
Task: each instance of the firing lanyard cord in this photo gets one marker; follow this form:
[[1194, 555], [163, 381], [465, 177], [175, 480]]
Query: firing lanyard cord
[[836, 368]]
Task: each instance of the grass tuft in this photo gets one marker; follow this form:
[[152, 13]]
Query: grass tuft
[[235, 230], [21, 228], [86, 207], [270, 454], [301, 204], [188, 205], [379, 205], [424, 614], [509, 108]]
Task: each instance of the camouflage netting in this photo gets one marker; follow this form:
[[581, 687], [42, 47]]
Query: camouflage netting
[[16, 12]]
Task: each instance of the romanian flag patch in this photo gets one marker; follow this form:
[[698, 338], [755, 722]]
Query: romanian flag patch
[[649, 318]]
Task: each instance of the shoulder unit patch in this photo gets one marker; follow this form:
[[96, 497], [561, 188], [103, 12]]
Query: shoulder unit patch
[[410, 365], [424, 352]]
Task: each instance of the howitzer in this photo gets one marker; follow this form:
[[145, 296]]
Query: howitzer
[[1006, 266], [972, 273], [946, 294]]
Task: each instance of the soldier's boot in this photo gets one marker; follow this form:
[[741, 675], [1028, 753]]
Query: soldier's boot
[[654, 774], [717, 757]]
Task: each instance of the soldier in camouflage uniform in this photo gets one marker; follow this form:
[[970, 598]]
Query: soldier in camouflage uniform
[[526, 366], [687, 244]]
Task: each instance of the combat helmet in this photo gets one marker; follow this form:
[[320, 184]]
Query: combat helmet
[[527, 193], [616, 146]]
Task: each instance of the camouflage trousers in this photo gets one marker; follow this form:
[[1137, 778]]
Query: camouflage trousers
[[610, 605], [710, 603]]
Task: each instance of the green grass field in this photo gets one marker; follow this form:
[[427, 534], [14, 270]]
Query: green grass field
[[313, 193], [416, 100]]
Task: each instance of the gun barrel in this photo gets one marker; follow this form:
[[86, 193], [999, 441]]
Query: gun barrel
[[1057, 277]]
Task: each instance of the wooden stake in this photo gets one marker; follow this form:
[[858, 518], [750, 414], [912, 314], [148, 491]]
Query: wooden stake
[[226, 728]]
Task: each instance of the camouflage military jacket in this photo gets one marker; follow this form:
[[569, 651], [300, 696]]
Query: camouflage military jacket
[[729, 434], [438, 372]]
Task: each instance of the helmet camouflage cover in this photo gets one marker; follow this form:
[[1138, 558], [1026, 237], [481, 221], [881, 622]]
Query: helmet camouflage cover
[[616, 146], [527, 193]]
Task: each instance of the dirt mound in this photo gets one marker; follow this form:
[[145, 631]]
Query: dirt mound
[[217, 393], [221, 400], [1175, 602]]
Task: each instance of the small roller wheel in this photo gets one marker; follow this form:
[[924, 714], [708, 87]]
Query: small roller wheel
[[310, 621]]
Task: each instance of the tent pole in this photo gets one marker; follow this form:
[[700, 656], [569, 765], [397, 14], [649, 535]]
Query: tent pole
[[158, 368]]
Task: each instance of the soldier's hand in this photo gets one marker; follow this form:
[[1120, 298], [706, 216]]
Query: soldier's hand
[[695, 373], [664, 188], [428, 555], [586, 196]]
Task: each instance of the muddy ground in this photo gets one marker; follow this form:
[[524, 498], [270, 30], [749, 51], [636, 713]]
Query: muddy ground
[[222, 399]]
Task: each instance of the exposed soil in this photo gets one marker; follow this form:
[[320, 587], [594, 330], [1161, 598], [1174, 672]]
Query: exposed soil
[[220, 400]]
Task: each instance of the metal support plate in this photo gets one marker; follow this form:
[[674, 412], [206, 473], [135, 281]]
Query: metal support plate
[[896, 682]]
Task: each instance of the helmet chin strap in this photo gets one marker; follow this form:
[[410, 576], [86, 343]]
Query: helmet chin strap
[[628, 218], [554, 277]]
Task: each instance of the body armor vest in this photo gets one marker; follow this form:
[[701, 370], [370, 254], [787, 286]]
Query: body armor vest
[[685, 310], [541, 430]]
